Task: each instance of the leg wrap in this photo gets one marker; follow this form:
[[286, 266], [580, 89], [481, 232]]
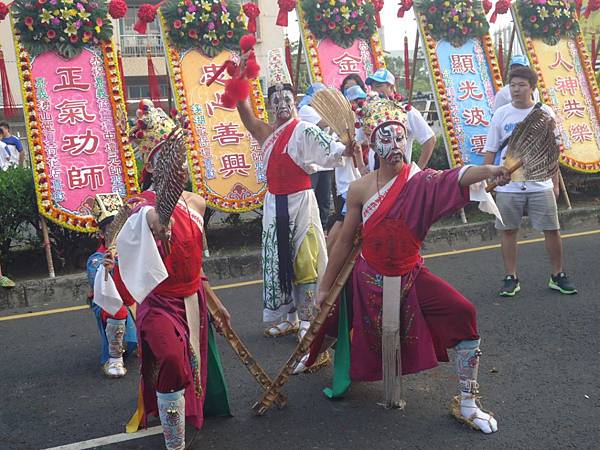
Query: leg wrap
[[467, 366], [304, 297], [171, 410], [115, 330]]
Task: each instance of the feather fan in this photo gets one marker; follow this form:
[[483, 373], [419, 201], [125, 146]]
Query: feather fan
[[336, 112]]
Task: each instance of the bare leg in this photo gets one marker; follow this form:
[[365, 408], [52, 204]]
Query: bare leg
[[509, 251], [554, 248]]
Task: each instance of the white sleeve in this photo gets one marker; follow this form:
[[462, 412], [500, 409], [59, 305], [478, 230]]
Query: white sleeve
[[502, 98], [418, 126], [313, 149], [494, 135], [371, 162], [106, 295]]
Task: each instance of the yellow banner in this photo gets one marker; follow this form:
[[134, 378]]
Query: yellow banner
[[225, 161], [566, 82]]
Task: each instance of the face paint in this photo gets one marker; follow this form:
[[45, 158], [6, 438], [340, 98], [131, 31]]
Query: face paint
[[389, 141], [282, 104]]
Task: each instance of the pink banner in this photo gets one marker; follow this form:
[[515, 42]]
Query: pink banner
[[78, 129], [338, 62]]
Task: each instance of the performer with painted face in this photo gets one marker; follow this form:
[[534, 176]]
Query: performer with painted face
[[398, 305], [294, 254], [161, 266]]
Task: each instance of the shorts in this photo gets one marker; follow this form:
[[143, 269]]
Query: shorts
[[539, 206]]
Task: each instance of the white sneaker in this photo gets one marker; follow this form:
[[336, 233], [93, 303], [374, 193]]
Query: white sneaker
[[114, 368]]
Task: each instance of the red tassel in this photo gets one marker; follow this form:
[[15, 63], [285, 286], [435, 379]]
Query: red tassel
[[285, 7], [237, 88], [378, 4], [252, 12], [10, 108], [225, 66], [252, 69], [122, 74], [153, 82], [247, 42], [288, 57], [146, 14]]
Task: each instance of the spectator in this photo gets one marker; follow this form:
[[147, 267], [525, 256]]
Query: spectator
[[538, 199], [383, 83], [503, 95], [352, 80], [13, 144]]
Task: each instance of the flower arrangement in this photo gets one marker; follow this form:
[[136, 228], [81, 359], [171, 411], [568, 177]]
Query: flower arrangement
[[343, 21], [63, 26], [548, 20], [454, 21], [210, 25]]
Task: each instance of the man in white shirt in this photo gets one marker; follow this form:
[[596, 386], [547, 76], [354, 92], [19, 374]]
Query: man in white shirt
[[515, 199], [503, 95], [383, 83]]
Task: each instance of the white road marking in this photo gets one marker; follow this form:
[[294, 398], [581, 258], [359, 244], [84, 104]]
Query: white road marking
[[107, 440]]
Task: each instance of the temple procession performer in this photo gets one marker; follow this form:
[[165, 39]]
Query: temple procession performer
[[293, 244], [396, 205], [181, 373], [117, 329]]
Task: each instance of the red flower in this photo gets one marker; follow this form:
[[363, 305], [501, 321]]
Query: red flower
[[347, 29], [51, 34], [117, 9], [432, 10], [193, 34], [216, 42], [73, 38], [318, 16], [533, 19], [3, 10], [28, 21], [229, 34], [177, 24], [332, 25]]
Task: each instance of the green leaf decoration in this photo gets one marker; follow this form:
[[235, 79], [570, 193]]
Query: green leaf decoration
[[549, 21]]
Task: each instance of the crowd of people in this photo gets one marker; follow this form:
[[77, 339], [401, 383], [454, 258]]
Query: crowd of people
[[392, 304]]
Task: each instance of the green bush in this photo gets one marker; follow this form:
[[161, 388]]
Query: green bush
[[439, 158], [17, 205]]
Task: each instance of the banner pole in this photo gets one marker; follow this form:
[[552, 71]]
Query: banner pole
[[47, 247], [563, 189], [510, 48], [298, 62], [414, 67]]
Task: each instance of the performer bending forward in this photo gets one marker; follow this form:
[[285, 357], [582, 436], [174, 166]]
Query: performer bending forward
[[293, 244], [396, 205], [181, 371]]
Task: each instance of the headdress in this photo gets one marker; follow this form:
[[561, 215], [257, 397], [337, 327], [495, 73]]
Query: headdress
[[379, 111], [278, 77], [152, 127], [106, 206]]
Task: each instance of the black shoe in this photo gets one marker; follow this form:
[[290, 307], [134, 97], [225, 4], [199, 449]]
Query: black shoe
[[510, 287], [560, 282]]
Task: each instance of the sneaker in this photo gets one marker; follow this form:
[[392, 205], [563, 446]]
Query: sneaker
[[510, 287], [560, 282]]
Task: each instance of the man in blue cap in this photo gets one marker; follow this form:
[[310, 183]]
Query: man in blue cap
[[503, 95], [383, 83]]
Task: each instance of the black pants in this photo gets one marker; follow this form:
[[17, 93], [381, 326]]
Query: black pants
[[321, 184]]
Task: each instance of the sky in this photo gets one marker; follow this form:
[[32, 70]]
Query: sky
[[394, 28]]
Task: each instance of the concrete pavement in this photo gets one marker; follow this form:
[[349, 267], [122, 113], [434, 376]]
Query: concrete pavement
[[539, 374]]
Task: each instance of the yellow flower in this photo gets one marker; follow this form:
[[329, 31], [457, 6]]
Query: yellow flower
[[543, 13], [56, 12], [98, 28], [332, 2], [225, 17], [207, 6], [189, 17], [84, 15], [455, 19], [344, 9], [46, 16], [556, 13], [71, 29]]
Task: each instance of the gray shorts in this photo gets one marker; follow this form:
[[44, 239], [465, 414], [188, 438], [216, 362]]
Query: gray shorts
[[539, 206]]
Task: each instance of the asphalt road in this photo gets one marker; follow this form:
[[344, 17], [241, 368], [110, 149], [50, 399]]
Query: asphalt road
[[539, 374]]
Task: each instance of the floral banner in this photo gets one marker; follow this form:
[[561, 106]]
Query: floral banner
[[225, 161], [355, 46], [465, 78], [565, 78], [77, 130]]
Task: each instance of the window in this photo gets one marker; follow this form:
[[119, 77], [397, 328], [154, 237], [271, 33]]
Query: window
[[134, 44], [138, 88]]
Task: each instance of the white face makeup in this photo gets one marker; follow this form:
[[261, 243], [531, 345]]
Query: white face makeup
[[389, 141], [282, 103]]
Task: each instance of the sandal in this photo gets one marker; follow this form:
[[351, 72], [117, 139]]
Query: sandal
[[304, 326], [469, 421], [283, 328], [322, 361], [6, 282]]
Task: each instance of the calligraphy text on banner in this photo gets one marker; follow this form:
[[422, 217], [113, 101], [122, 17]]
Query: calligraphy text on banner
[[78, 148]]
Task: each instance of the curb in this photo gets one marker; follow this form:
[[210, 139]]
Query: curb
[[73, 289]]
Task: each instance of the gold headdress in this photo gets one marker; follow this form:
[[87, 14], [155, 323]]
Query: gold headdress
[[376, 112], [106, 206], [152, 128]]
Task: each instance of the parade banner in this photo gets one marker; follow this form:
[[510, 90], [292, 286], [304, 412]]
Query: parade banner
[[464, 74], [340, 38], [73, 106], [550, 35], [226, 163]]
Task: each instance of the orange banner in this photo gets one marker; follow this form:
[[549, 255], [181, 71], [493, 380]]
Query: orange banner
[[567, 84], [225, 161]]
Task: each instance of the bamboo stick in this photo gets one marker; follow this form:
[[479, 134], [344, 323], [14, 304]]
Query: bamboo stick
[[47, 247], [414, 67]]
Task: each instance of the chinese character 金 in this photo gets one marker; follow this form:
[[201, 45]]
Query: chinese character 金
[[347, 64]]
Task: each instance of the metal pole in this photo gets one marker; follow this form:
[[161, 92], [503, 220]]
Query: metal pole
[[510, 48], [414, 67], [47, 247]]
